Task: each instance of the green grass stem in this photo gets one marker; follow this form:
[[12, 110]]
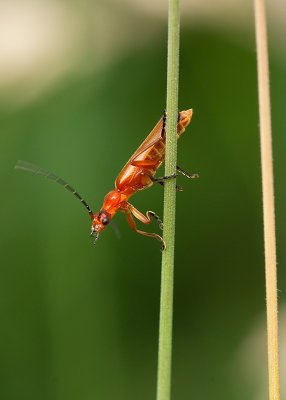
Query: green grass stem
[[167, 277]]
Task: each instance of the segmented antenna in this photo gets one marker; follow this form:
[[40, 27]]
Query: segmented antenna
[[26, 166]]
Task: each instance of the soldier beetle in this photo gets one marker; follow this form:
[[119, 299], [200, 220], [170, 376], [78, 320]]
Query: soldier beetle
[[137, 174]]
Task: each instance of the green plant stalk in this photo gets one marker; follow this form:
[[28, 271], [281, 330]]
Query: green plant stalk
[[167, 277], [268, 199]]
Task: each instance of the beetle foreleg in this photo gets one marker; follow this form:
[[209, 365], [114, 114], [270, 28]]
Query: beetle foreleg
[[157, 218], [131, 211], [146, 219]]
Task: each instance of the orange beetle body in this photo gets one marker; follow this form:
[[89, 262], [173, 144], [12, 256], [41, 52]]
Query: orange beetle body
[[136, 175]]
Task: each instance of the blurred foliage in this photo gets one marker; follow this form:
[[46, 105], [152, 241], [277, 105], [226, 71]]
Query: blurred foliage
[[81, 322]]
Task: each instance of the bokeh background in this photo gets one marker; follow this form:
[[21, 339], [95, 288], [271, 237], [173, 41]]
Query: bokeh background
[[81, 85]]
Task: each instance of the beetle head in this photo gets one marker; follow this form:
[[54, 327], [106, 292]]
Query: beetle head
[[99, 222]]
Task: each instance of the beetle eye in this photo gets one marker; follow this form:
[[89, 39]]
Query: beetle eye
[[105, 220]]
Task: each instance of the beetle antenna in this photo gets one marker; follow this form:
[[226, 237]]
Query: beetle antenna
[[28, 167]]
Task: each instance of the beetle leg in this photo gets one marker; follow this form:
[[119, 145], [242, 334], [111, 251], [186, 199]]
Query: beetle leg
[[151, 215], [146, 219], [161, 180], [187, 174], [178, 188], [129, 210]]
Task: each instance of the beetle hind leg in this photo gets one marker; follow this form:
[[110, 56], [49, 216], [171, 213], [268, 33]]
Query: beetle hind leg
[[162, 179], [187, 174]]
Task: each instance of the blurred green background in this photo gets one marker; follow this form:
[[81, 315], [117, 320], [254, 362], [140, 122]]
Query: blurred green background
[[81, 87]]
